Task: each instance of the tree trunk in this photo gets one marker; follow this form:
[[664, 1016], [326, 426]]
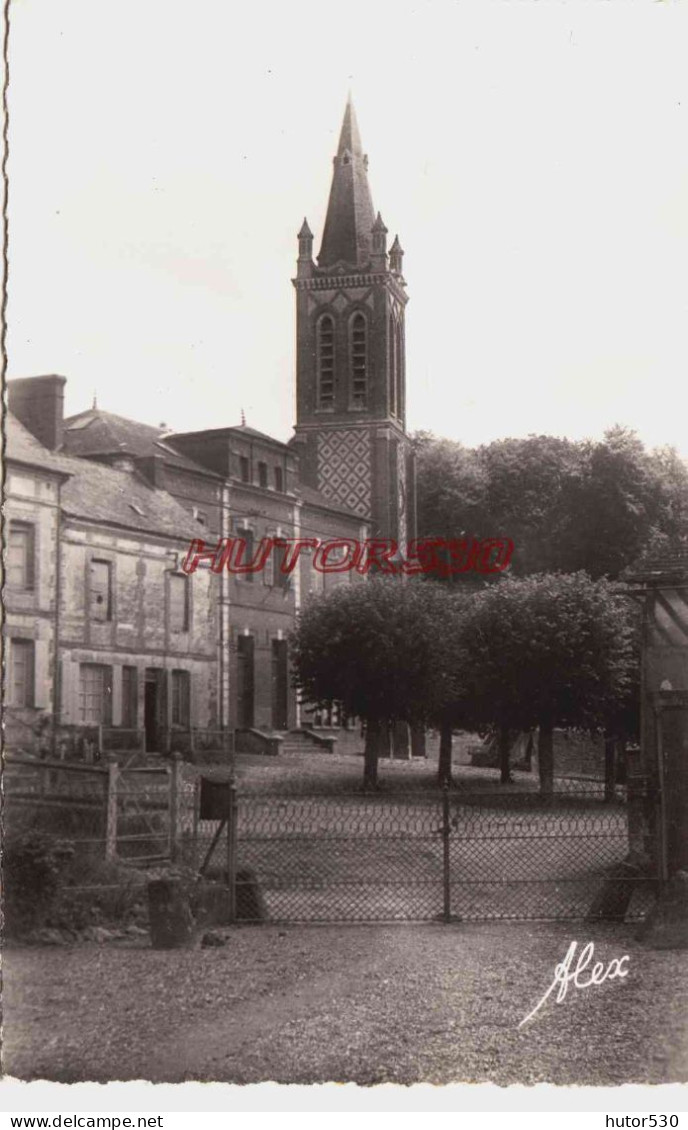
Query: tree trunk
[[504, 748], [445, 758], [546, 759], [609, 768], [621, 776], [528, 758], [385, 740], [372, 752], [418, 741], [400, 741]]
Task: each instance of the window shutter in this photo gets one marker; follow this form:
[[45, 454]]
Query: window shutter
[[41, 679]]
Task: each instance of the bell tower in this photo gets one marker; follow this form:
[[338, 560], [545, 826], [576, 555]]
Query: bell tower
[[350, 354]]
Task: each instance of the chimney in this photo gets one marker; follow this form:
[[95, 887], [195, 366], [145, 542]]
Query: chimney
[[38, 402]]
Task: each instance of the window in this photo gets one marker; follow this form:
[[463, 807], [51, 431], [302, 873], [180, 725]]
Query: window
[[200, 516], [269, 569], [22, 668], [358, 347], [330, 716], [244, 469], [247, 552], [181, 698], [100, 590], [272, 572], [281, 580], [129, 697], [400, 371], [279, 479], [20, 556], [95, 693], [179, 602], [325, 356], [262, 474], [393, 364]]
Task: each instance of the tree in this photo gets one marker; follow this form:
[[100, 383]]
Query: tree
[[509, 488], [383, 650], [566, 505], [547, 651]]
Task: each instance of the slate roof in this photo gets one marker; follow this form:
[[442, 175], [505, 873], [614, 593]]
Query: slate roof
[[95, 432], [350, 215], [23, 447], [102, 494], [238, 429]]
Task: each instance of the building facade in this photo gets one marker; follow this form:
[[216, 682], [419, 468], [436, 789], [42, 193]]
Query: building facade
[[104, 624], [34, 478]]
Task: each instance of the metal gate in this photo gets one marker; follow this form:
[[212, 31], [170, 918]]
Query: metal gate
[[431, 855]]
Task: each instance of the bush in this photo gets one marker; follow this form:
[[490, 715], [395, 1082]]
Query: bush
[[32, 866], [114, 894], [48, 882], [64, 822]]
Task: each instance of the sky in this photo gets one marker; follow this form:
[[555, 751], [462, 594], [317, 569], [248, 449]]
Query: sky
[[532, 157]]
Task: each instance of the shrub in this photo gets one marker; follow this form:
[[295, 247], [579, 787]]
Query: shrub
[[32, 865], [95, 892]]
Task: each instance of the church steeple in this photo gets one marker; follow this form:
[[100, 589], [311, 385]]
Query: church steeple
[[350, 214], [351, 355]]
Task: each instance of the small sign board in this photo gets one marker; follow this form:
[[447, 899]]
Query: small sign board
[[214, 799]]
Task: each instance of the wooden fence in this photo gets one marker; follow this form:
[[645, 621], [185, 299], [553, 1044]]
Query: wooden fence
[[116, 811]]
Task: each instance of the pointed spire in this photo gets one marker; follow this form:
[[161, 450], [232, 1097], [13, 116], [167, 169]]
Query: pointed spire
[[379, 236], [350, 138], [305, 261], [347, 236], [378, 258], [95, 403], [396, 256], [243, 418]]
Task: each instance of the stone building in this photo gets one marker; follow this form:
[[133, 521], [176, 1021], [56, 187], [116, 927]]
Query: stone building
[[34, 479], [106, 633], [140, 646], [265, 498]]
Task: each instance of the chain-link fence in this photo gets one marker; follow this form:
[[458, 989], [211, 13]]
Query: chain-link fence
[[422, 855], [310, 853]]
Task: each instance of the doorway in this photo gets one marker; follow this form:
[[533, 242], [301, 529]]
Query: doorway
[[154, 712], [279, 685], [245, 682]]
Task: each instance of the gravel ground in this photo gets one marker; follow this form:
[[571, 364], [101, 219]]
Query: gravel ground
[[433, 1003]]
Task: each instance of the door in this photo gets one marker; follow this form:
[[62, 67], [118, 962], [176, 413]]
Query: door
[[279, 685], [245, 682], [154, 714]]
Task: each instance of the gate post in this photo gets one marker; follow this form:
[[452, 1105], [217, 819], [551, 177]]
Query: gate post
[[196, 819], [174, 802], [232, 848], [111, 809], [446, 863]]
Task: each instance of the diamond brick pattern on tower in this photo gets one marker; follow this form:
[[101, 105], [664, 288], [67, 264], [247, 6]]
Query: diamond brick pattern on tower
[[344, 468]]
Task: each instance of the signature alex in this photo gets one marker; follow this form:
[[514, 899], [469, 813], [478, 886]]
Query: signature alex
[[564, 975]]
